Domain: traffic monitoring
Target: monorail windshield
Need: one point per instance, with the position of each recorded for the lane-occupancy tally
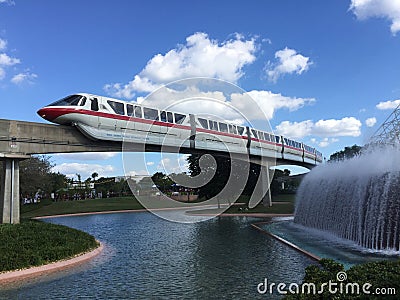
(68, 101)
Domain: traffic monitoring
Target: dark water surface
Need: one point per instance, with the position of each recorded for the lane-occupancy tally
(146, 257)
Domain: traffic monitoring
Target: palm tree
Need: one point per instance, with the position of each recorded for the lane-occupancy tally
(94, 175)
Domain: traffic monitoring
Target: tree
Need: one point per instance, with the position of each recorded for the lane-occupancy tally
(347, 153)
(222, 170)
(162, 181)
(94, 176)
(36, 173)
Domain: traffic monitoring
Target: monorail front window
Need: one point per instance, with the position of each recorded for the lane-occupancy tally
(68, 101)
(117, 107)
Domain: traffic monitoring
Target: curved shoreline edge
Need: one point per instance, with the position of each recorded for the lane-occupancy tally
(291, 245)
(51, 267)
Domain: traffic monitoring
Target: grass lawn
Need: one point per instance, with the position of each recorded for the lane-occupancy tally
(283, 204)
(35, 243)
(47, 207)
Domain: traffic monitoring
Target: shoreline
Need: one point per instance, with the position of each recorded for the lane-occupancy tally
(286, 242)
(159, 209)
(16, 275)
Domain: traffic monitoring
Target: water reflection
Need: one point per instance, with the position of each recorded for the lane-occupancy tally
(147, 257)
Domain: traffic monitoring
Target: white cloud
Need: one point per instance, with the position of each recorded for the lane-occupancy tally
(199, 57)
(325, 142)
(289, 61)
(295, 129)
(87, 155)
(267, 103)
(150, 163)
(370, 122)
(9, 2)
(6, 60)
(173, 164)
(348, 126)
(22, 78)
(253, 105)
(85, 170)
(388, 104)
(3, 44)
(388, 9)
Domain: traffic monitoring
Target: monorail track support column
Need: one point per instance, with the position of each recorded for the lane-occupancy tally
(9, 190)
(262, 189)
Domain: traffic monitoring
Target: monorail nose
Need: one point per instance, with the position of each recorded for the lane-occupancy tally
(46, 114)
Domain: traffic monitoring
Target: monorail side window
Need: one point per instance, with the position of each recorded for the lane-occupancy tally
(223, 127)
(277, 139)
(179, 118)
(117, 107)
(94, 105)
(129, 110)
(170, 117)
(163, 116)
(83, 101)
(267, 136)
(261, 135)
(150, 113)
(254, 133)
(213, 125)
(232, 129)
(240, 130)
(203, 123)
(138, 112)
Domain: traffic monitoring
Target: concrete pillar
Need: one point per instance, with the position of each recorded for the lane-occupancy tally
(9, 194)
(262, 191)
(9, 188)
(266, 179)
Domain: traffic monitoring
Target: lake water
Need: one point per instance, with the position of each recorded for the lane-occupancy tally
(146, 257)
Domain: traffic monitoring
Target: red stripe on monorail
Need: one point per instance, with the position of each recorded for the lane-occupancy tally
(53, 113)
(221, 133)
(266, 142)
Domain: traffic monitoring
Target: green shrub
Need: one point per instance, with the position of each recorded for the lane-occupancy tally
(34, 243)
(384, 274)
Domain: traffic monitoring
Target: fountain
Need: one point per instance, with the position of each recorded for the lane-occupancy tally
(356, 199)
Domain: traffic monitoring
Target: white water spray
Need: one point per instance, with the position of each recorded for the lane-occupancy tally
(357, 199)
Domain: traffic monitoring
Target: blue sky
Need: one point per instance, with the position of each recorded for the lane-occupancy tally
(326, 72)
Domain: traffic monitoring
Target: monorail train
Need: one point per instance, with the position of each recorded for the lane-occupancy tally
(104, 118)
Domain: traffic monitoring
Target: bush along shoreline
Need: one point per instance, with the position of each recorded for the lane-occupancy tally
(34, 243)
(371, 280)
